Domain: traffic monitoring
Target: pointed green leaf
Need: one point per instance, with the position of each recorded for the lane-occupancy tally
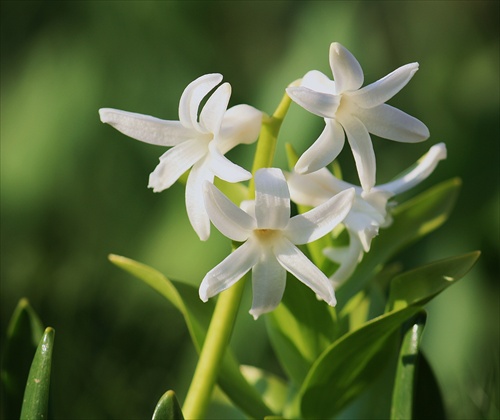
(418, 286)
(344, 369)
(300, 328)
(168, 408)
(403, 395)
(197, 316)
(36, 394)
(24, 332)
(413, 219)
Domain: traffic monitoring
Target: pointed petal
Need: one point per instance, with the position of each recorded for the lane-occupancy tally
(192, 96)
(348, 258)
(272, 199)
(229, 219)
(393, 124)
(195, 205)
(146, 128)
(424, 168)
(362, 150)
(229, 271)
(223, 168)
(174, 163)
(384, 89)
(241, 125)
(307, 227)
(323, 104)
(324, 150)
(347, 72)
(268, 284)
(294, 261)
(319, 82)
(214, 109)
(365, 226)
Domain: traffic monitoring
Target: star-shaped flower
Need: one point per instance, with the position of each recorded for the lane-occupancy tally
(270, 236)
(369, 211)
(346, 107)
(199, 142)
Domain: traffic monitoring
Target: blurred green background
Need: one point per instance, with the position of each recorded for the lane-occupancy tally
(74, 190)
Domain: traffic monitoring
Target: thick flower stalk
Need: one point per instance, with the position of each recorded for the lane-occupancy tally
(369, 211)
(351, 110)
(198, 141)
(270, 236)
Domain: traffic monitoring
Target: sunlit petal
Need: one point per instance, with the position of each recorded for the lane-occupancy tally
(212, 113)
(307, 227)
(324, 150)
(146, 128)
(229, 271)
(315, 80)
(192, 96)
(347, 72)
(323, 104)
(272, 199)
(393, 124)
(228, 218)
(174, 163)
(241, 125)
(294, 261)
(223, 168)
(384, 89)
(424, 168)
(268, 284)
(362, 150)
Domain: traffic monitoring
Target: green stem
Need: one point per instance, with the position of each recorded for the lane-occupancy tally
(226, 309)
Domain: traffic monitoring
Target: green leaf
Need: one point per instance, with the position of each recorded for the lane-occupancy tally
(168, 408)
(36, 394)
(345, 369)
(418, 286)
(428, 397)
(300, 329)
(24, 332)
(273, 389)
(197, 316)
(405, 381)
(412, 220)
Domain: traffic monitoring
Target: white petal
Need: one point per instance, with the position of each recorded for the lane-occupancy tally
(195, 205)
(323, 104)
(316, 188)
(347, 72)
(348, 258)
(317, 81)
(384, 89)
(294, 261)
(364, 226)
(223, 168)
(268, 284)
(307, 227)
(393, 124)
(213, 111)
(229, 271)
(362, 150)
(193, 95)
(272, 199)
(241, 125)
(424, 168)
(145, 128)
(226, 216)
(324, 150)
(175, 162)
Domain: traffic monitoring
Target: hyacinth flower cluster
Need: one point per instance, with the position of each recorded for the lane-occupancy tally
(200, 139)
(288, 223)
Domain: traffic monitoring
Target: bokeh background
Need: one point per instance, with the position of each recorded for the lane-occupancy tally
(74, 190)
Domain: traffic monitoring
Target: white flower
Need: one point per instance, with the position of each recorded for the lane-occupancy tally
(346, 107)
(198, 143)
(369, 210)
(270, 237)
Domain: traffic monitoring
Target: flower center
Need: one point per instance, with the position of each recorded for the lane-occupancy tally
(267, 236)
